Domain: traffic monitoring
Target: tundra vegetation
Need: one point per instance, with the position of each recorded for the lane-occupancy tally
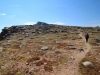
(46, 49)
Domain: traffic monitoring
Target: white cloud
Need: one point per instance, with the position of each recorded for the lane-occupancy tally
(29, 23)
(3, 14)
(59, 23)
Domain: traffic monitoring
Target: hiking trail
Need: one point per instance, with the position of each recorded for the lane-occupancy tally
(73, 65)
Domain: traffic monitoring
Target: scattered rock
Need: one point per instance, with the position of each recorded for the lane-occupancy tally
(81, 49)
(87, 63)
(44, 48)
(1, 49)
(70, 45)
(20, 38)
(31, 72)
(27, 63)
(73, 48)
(72, 57)
(73, 39)
(43, 41)
(97, 40)
(54, 48)
(57, 41)
(21, 45)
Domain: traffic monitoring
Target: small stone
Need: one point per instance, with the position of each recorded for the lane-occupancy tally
(72, 57)
(31, 72)
(54, 48)
(65, 63)
(1, 49)
(44, 48)
(27, 63)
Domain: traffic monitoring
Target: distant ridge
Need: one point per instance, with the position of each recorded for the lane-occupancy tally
(38, 28)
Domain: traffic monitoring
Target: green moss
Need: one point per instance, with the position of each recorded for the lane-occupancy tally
(18, 73)
(5, 71)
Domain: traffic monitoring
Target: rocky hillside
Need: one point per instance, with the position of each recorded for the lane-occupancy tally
(39, 28)
(47, 49)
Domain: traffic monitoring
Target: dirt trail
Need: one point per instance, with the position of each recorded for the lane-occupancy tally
(72, 66)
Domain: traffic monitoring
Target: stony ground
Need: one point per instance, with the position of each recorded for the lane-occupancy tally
(54, 60)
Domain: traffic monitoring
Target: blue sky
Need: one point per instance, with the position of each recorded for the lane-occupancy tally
(67, 12)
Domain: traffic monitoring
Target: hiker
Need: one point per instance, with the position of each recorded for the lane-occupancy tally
(87, 37)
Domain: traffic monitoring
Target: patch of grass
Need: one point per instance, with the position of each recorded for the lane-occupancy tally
(48, 68)
(62, 60)
(18, 73)
(8, 72)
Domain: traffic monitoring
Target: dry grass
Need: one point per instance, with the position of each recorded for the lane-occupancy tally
(61, 45)
(48, 68)
(39, 63)
(33, 59)
(33, 47)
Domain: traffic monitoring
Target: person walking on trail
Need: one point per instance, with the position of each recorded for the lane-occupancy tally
(87, 37)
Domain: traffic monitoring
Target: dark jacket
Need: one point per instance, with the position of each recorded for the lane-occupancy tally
(87, 36)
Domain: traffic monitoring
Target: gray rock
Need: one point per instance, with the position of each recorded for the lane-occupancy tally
(54, 48)
(1, 49)
(8, 38)
(44, 48)
(87, 63)
(70, 45)
(81, 49)
(21, 45)
(31, 72)
(26, 35)
(72, 57)
(43, 41)
(57, 42)
(20, 38)
(97, 40)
